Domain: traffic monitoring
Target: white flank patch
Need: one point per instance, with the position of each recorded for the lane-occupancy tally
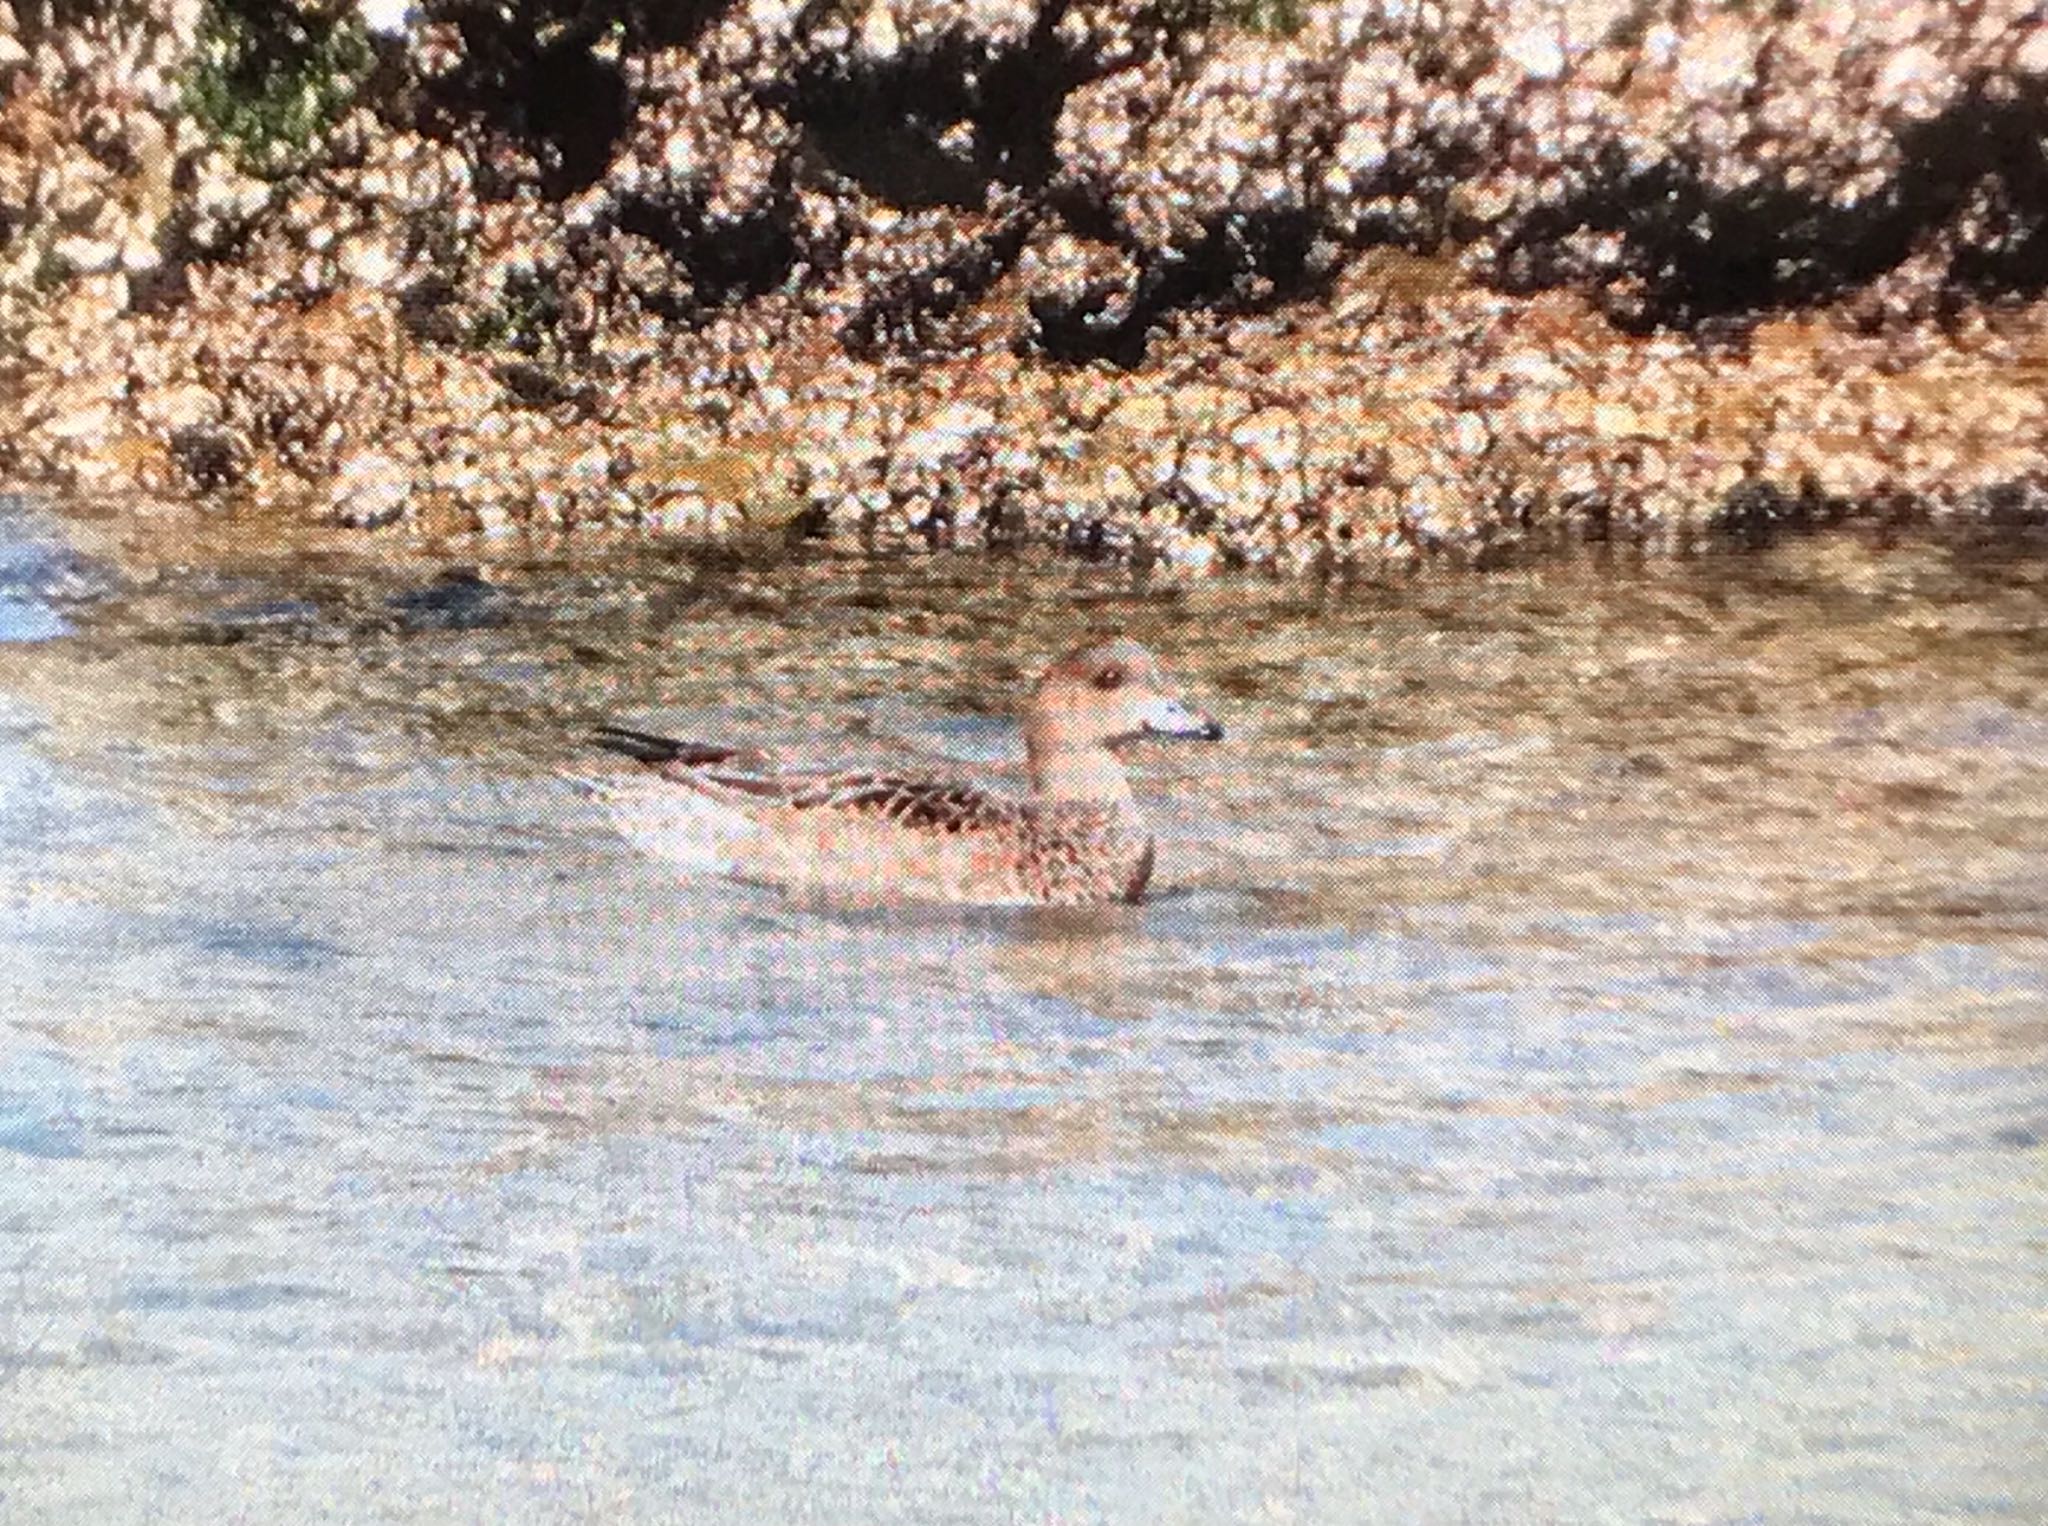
(674, 823)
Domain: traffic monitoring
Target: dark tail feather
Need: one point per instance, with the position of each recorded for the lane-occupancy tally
(646, 747)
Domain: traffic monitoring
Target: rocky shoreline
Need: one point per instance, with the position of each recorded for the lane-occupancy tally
(1195, 284)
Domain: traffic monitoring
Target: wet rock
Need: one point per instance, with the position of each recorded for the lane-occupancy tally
(221, 205)
(210, 457)
(371, 489)
(459, 598)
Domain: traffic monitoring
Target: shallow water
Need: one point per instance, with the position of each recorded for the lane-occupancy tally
(1587, 1062)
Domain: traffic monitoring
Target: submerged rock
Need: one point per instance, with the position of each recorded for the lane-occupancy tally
(459, 599)
(39, 574)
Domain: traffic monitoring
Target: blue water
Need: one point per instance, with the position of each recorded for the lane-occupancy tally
(381, 1139)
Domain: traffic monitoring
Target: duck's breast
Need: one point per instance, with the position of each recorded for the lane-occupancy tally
(1085, 854)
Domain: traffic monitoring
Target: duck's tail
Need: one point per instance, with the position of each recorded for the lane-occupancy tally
(646, 747)
(672, 820)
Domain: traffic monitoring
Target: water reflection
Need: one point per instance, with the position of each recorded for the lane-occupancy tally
(1587, 1061)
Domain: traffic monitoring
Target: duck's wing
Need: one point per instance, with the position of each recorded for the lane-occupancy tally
(895, 800)
(747, 779)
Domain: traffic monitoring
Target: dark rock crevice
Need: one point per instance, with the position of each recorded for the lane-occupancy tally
(944, 123)
(723, 260)
(906, 317)
(1244, 263)
(1690, 254)
(532, 72)
(1984, 164)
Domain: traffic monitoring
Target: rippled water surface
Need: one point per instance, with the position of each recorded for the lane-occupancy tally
(1587, 1062)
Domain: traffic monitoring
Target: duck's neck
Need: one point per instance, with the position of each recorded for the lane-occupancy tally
(1065, 773)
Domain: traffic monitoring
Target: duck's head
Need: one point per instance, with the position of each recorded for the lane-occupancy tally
(1104, 695)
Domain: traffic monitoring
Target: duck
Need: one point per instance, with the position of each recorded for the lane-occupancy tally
(1076, 837)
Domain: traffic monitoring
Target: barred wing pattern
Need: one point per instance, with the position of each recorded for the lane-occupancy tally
(928, 805)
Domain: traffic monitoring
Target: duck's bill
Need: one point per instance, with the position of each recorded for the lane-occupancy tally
(1170, 718)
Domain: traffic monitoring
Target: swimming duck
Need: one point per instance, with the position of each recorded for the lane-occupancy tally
(1076, 839)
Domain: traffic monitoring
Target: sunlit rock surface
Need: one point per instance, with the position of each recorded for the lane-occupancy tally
(1216, 283)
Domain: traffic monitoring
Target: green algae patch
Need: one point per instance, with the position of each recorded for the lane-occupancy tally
(269, 85)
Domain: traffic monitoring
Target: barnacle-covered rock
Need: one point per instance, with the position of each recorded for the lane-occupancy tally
(1195, 285)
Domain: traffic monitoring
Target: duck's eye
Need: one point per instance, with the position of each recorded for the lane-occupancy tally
(1109, 678)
